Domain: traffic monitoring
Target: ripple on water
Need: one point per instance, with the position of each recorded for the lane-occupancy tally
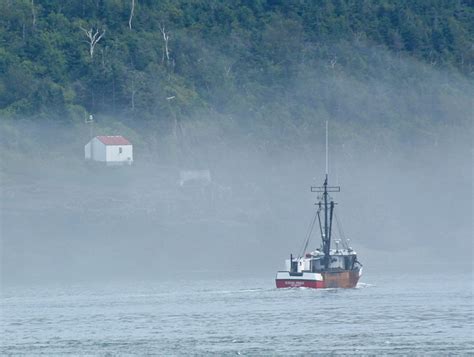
(231, 317)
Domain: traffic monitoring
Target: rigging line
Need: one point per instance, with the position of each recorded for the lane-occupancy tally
(341, 232)
(310, 230)
(320, 225)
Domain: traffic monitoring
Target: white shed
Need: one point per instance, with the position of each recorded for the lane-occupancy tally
(112, 150)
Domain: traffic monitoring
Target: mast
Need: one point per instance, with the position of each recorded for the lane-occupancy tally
(328, 208)
(327, 154)
(326, 228)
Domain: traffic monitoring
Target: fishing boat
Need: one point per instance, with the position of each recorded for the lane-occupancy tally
(326, 266)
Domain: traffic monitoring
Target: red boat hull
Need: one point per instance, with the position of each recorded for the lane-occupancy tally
(338, 279)
(293, 283)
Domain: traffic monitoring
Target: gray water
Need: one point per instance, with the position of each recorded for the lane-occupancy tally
(391, 314)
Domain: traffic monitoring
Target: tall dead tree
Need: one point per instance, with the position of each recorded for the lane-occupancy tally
(135, 84)
(93, 38)
(132, 10)
(33, 13)
(166, 51)
(178, 131)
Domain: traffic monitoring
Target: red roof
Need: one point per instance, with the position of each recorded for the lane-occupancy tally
(113, 140)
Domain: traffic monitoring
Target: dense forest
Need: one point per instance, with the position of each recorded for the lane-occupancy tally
(272, 67)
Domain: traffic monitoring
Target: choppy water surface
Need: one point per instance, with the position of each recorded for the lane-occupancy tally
(384, 315)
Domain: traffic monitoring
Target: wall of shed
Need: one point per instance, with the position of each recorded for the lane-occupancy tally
(95, 150)
(114, 156)
(87, 151)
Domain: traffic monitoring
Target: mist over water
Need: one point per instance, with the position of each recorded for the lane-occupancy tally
(69, 221)
(406, 199)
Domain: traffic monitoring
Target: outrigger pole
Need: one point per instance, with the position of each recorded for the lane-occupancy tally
(328, 209)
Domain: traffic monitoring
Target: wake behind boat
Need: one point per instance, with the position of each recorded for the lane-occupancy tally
(324, 267)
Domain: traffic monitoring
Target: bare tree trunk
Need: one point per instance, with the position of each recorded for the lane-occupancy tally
(175, 118)
(132, 10)
(135, 88)
(166, 38)
(94, 38)
(33, 13)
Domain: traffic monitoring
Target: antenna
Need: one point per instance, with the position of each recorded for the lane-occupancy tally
(89, 121)
(327, 149)
(328, 208)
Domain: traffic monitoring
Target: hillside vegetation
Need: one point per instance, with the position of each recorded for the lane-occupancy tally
(273, 69)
